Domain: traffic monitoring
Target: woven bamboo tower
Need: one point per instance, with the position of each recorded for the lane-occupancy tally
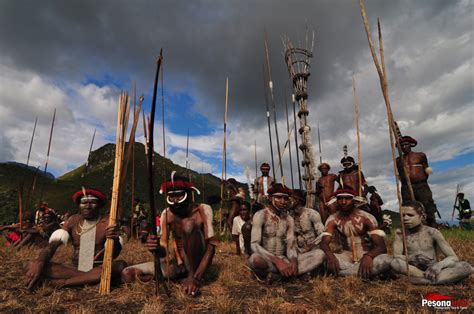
(298, 62)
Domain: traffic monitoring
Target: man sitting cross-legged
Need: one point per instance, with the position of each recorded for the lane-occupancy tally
(193, 236)
(88, 231)
(273, 239)
(423, 243)
(308, 233)
(362, 241)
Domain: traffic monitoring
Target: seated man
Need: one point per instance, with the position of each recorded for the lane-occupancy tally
(237, 224)
(88, 231)
(362, 242)
(13, 233)
(423, 243)
(39, 234)
(273, 239)
(193, 238)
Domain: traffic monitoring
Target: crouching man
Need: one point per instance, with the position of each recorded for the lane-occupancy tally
(273, 240)
(193, 239)
(363, 244)
(88, 232)
(423, 243)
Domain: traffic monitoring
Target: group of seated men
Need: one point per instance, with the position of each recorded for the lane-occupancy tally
(286, 240)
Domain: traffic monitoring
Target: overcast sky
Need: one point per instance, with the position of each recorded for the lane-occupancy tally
(76, 56)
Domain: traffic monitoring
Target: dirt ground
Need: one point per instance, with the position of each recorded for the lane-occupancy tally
(229, 287)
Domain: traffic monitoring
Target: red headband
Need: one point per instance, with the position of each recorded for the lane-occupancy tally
(344, 192)
(175, 186)
(96, 193)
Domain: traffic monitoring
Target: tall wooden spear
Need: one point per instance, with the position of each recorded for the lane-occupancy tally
(22, 186)
(289, 142)
(268, 121)
(133, 160)
(319, 142)
(47, 154)
(187, 156)
(359, 161)
(88, 156)
(296, 141)
(270, 86)
(151, 176)
(381, 70)
(224, 153)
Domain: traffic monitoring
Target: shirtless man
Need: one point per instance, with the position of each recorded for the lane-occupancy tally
(193, 234)
(418, 170)
(375, 204)
(88, 231)
(234, 195)
(325, 190)
(39, 234)
(363, 244)
(423, 243)
(349, 178)
(308, 226)
(263, 183)
(273, 240)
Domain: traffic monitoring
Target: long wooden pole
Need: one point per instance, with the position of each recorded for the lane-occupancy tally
(289, 142)
(105, 279)
(47, 154)
(133, 160)
(293, 101)
(22, 186)
(270, 86)
(151, 176)
(224, 149)
(268, 121)
(381, 70)
(359, 161)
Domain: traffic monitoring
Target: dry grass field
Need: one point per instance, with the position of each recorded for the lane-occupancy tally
(229, 287)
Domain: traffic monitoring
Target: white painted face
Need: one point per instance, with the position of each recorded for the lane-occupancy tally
(411, 218)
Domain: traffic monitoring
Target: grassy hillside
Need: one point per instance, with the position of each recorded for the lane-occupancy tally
(99, 175)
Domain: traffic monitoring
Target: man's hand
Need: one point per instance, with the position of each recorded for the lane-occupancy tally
(294, 267)
(191, 286)
(284, 268)
(34, 273)
(365, 266)
(112, 232)
(333, 264)
(432, 272)
(153, 245)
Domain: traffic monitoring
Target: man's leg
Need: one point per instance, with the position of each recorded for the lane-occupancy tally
(458, 272)
(246, 234)
(260, 265)
(310, 260)
(193, 245)
(398, 265)
(381, 264)
(92, 277)
(348, 268)
(424, 195)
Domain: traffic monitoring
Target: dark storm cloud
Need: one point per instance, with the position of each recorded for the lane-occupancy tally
(204, 42)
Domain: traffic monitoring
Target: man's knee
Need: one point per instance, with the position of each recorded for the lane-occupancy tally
(129, 274)
(257, 261)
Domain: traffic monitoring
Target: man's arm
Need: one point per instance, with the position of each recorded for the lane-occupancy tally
(317, 225)
(36, 267)
(332, 262)
(376, 235)
(291, 246)
(398, 243)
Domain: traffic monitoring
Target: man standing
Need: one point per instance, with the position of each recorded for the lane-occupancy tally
(193, 236)
(325, 190)
(349, 178)
(465, 213)
(418, 172)
(363, 244)
(88, 231)
(263, 183)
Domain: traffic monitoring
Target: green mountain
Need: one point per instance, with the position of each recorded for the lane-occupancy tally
(57, 192)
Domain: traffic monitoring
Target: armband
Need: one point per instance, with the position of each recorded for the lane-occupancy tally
(59, 235)
(428, 170)
(327, 234)
(378, 232)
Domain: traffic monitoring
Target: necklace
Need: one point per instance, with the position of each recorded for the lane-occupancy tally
(86, 226)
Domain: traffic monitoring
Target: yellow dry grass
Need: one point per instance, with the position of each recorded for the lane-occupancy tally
(229, 287)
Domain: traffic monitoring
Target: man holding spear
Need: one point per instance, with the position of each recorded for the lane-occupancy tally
(193, 238)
